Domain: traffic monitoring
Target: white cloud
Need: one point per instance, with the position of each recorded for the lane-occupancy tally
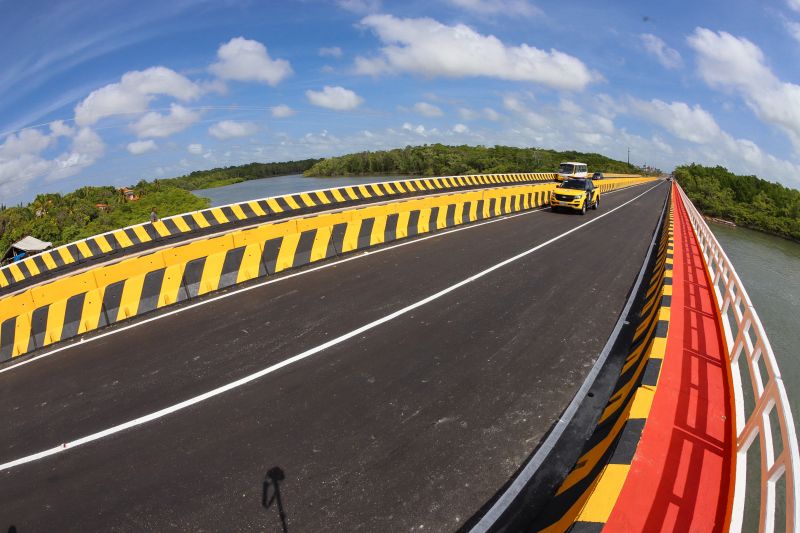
(330, 51)
(228, 129)
(735, 64)
(511, 8)
(468, 114)
(132, 94)
(425, 46)
(794, 4)
(87, 147)
(521, 111)
(491, 114)
(28, 141)
(195, 148)
(360, 6)
(157, 125)
(693, 124)
(427, 110)
(243, 59)
(655, 46)
(142, 147)
(59, 129)
(460, 128)
(793, 28)
(337, 98)
(282, 111)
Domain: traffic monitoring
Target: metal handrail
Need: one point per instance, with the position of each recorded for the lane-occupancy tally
(747, 343)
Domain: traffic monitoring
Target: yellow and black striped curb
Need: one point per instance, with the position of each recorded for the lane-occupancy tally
(275, 207)
(188, 223)
(108, 293)
(585, 499)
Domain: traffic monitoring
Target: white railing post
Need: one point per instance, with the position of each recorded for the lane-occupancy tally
(769, 392)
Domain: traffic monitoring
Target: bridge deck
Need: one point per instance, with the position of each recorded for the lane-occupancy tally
(414, 422)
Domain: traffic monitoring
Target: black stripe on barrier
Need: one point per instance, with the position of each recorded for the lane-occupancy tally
(265, 207)
(390, 231)
(151, 231)
(302, 254)
(625, 448)
(337, 236)
(298, 199)
(94, 247)
(40, 264)
(192, 275)
(433, 223)
(132, 236)
(229, 214)
(191, 222)
(7, 333)
(38, 327)
(231, 266)
(172, 228)
(269, 257)
(479, 210)
(247, 210)
(57, 259)
(151, 288)
(72, 316)
(210, 218)
(281, 201)
(24, 269)
(465, 209)
(413, 223)
(111, 300)
(450, 216)
(365, 232)
(587, 527)
(651, 372)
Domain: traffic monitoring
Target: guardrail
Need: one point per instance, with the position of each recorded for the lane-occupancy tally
(757, 414)
(124, 287)
(147, 233)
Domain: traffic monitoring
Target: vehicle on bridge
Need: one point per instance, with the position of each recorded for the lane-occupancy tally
(572, 169)
(576, 193)
(597, 176)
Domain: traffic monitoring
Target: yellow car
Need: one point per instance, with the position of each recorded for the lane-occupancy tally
(577, 194)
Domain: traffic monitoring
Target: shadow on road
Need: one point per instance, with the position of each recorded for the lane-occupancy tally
(272, 484)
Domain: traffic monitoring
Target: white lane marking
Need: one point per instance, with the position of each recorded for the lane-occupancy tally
(233, 292)
(308, 353)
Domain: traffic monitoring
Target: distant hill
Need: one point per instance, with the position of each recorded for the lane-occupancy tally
(746, 200)
(443, 160)
(217, 177)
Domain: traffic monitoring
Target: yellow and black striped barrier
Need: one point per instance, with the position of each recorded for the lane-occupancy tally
(182, 225)
(585, 499)
(105, 294)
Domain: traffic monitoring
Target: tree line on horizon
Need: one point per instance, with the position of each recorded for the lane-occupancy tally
(443, 160)
(748, 201)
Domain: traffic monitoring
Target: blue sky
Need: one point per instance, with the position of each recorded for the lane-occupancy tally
(112, 92)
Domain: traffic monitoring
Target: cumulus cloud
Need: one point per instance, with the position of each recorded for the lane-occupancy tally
(157, 125)
(427, 47)
(195, 148)
(133, 93)
(337, 98)
(229, 129)
(656, 47)
(142, 147)
(360, 6)
(427, 110)
(330, 51)
(243, 59)
(282, 111)
(793, 28)
(511, 8)
(794, 5)
(735, 64)
(691, 123)
(460, 128)
(22, 157)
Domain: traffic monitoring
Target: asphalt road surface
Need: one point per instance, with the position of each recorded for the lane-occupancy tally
(411, 424)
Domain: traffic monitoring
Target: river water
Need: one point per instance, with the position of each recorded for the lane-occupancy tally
(768, 266)
(254, 189)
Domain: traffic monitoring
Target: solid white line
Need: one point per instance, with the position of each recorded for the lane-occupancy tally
(308, 353)
(235, 291)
